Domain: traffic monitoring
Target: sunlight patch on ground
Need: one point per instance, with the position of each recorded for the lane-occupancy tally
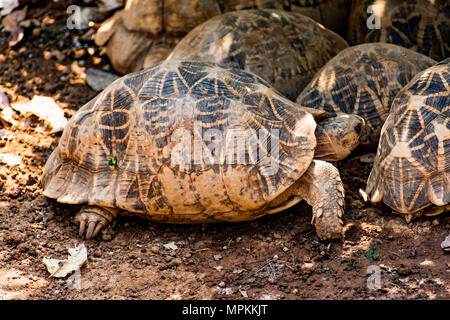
(14, 284)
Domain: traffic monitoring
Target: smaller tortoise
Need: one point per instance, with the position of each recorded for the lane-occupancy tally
(420, 25)
(144, 32)
(284, 48)
(364, 80)
(412, 165)
(333, 14)
(195, 142)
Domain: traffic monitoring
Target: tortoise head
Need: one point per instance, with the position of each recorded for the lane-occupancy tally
(338, 136)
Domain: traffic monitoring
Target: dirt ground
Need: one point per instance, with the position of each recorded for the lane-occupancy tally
(274, 257)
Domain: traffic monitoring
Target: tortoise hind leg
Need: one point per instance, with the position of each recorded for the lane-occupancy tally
(95, 218)
(322, 188)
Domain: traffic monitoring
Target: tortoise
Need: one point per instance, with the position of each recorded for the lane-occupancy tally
(411, 170)
(364, 80)
(195, 142)
(420, 25)
(333, 14)
(284, 48)
(144, 32)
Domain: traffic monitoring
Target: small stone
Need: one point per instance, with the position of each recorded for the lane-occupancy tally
(36, 32)
(97, 253)
(285, 249)
(155, 250)
(275, 257)
(174, 263)
(445, 245)
(217, 257)
(222, 284)
(238, 239)
(277, 236)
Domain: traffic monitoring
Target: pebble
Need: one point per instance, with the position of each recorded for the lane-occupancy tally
(285, 249)
(222, 284)
(97, 253)
(155, 249)
(174, 263)
(217, 257)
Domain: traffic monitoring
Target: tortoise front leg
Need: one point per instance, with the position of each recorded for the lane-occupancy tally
(322, 188)
(95, 218)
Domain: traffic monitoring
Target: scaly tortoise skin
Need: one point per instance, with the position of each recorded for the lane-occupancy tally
(120, 153)
(364, 80)
(412, 165)
(284, 48)
(420, 25)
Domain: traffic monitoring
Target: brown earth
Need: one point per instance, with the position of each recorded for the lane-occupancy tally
(274, 257)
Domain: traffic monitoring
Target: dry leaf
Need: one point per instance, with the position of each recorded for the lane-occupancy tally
(11, 24)
(61, 268)
(8, 6)
(10, 160)
(45, 108)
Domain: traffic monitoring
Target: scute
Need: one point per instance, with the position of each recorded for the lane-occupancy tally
(364, 80)
(284, 48)
(412, 166)
(159, 173)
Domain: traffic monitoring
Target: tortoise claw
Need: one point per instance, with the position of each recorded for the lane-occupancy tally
(94, 222)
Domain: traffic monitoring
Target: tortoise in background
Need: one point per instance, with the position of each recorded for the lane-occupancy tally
(364, 80)
(150, 145)
(146, 31)
(333, 14)
(412, 165)
(420, 25)
(284, 48)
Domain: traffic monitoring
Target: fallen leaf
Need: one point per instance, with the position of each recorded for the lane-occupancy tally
(11, 24)
(99, 80)
(10, 160)
(171, 246)
(8, 6)
(6, 116)
(45, 108)
(110, 5)
(61, 268)
(367, 158)
(4, 101)
(446, 243)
